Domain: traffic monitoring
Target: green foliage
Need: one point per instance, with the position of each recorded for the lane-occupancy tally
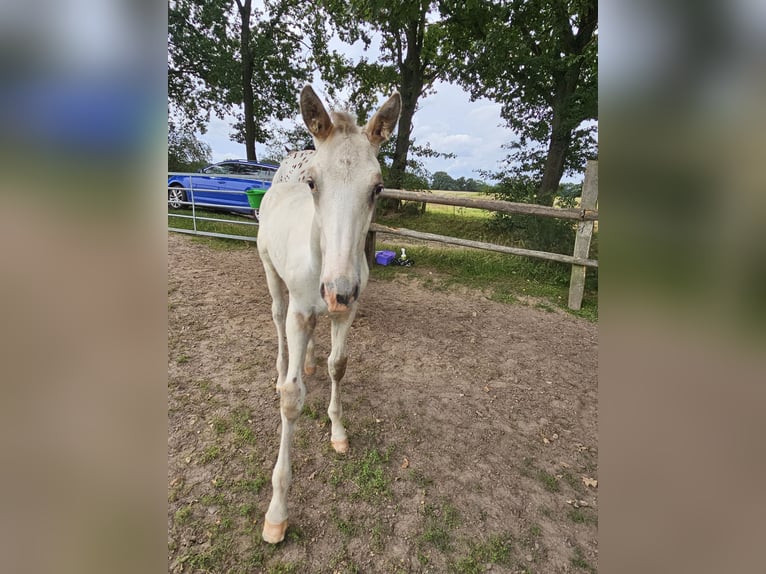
(221, 51)
(538, 58)
(185, 152)
(443, 180)
(410, 59)
(534, 232)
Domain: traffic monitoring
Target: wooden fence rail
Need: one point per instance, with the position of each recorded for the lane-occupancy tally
(579, 259)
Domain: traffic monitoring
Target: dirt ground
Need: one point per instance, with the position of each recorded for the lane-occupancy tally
(472, 425)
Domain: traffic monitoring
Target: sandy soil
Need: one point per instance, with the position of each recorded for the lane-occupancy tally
(485, 415)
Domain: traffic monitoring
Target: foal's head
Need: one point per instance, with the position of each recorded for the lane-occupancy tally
(344, 178)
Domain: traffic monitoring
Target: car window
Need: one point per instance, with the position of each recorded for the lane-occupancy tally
(257, 171)
(219, 169)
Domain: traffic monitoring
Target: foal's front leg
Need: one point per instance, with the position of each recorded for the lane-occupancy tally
(337, 366)
(292, 393)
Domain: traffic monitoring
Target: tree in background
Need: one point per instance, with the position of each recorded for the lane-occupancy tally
(410, 59)
(538, 58)
(223, 54)
(443, 180)
(285, 140)
(185, 152)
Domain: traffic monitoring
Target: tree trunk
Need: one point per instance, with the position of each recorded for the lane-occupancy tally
(411, 88)
(248, 97)
(553, 169)
(399, 162)
(561, 135)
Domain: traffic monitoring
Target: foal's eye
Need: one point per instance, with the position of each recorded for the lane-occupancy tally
(376, 190)
(311, 184)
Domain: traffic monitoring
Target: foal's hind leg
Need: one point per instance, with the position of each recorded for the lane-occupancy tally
(337, 366)
(292, 393)
(278, 292)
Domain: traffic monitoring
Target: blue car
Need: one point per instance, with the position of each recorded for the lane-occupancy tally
(221, 185)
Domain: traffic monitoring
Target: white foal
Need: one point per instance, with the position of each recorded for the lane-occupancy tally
(314, 220)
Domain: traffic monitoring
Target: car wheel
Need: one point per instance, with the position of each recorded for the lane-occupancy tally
(176, 197)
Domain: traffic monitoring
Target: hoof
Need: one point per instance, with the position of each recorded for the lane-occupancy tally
(309, 370)
(340, 445)
(274, 533)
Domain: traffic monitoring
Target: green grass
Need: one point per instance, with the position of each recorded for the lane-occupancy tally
(578, 561)
(582, 516)
(346, 526)
(549, 482)
(183, 515)
(233, 228)
(368, 473)
(438, 523)
(210, 454)
(497, 549)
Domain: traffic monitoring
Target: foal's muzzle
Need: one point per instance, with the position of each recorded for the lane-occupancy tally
(339, 294)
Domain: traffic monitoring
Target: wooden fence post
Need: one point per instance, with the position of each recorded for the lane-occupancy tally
(369, 243)
(584, 234)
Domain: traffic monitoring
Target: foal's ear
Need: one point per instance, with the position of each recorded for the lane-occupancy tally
(382, 124)
(314, 114)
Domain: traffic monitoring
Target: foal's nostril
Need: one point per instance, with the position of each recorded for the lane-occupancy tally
(342, 299)
(355, 294)
(321, 290)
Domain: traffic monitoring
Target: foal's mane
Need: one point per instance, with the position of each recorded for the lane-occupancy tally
(344, 122)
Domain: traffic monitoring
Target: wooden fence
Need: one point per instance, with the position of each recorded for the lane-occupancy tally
(579, 261)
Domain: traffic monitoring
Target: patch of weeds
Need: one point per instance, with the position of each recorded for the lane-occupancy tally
(182, 515)
(580, 516)
(341, 563)
(376, 537)
(252, 485)
(368, 473)
(286, 568)
(316, 412)
(346, 527)
(534, 532)
(295, 534)
(549, 482)
(496, 550)
(210, 454)
(420, 480)
(213, 558)
(217, 499)
(313, 410)
(439, 521)
(423, 559)
(579, 561)
(182, 359)
(220, 425)
(246, 509)
(176, 490)
(242, 429)
(573, 481)
(544, 307)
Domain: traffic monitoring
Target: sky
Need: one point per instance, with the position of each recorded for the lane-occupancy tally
(447, 120)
